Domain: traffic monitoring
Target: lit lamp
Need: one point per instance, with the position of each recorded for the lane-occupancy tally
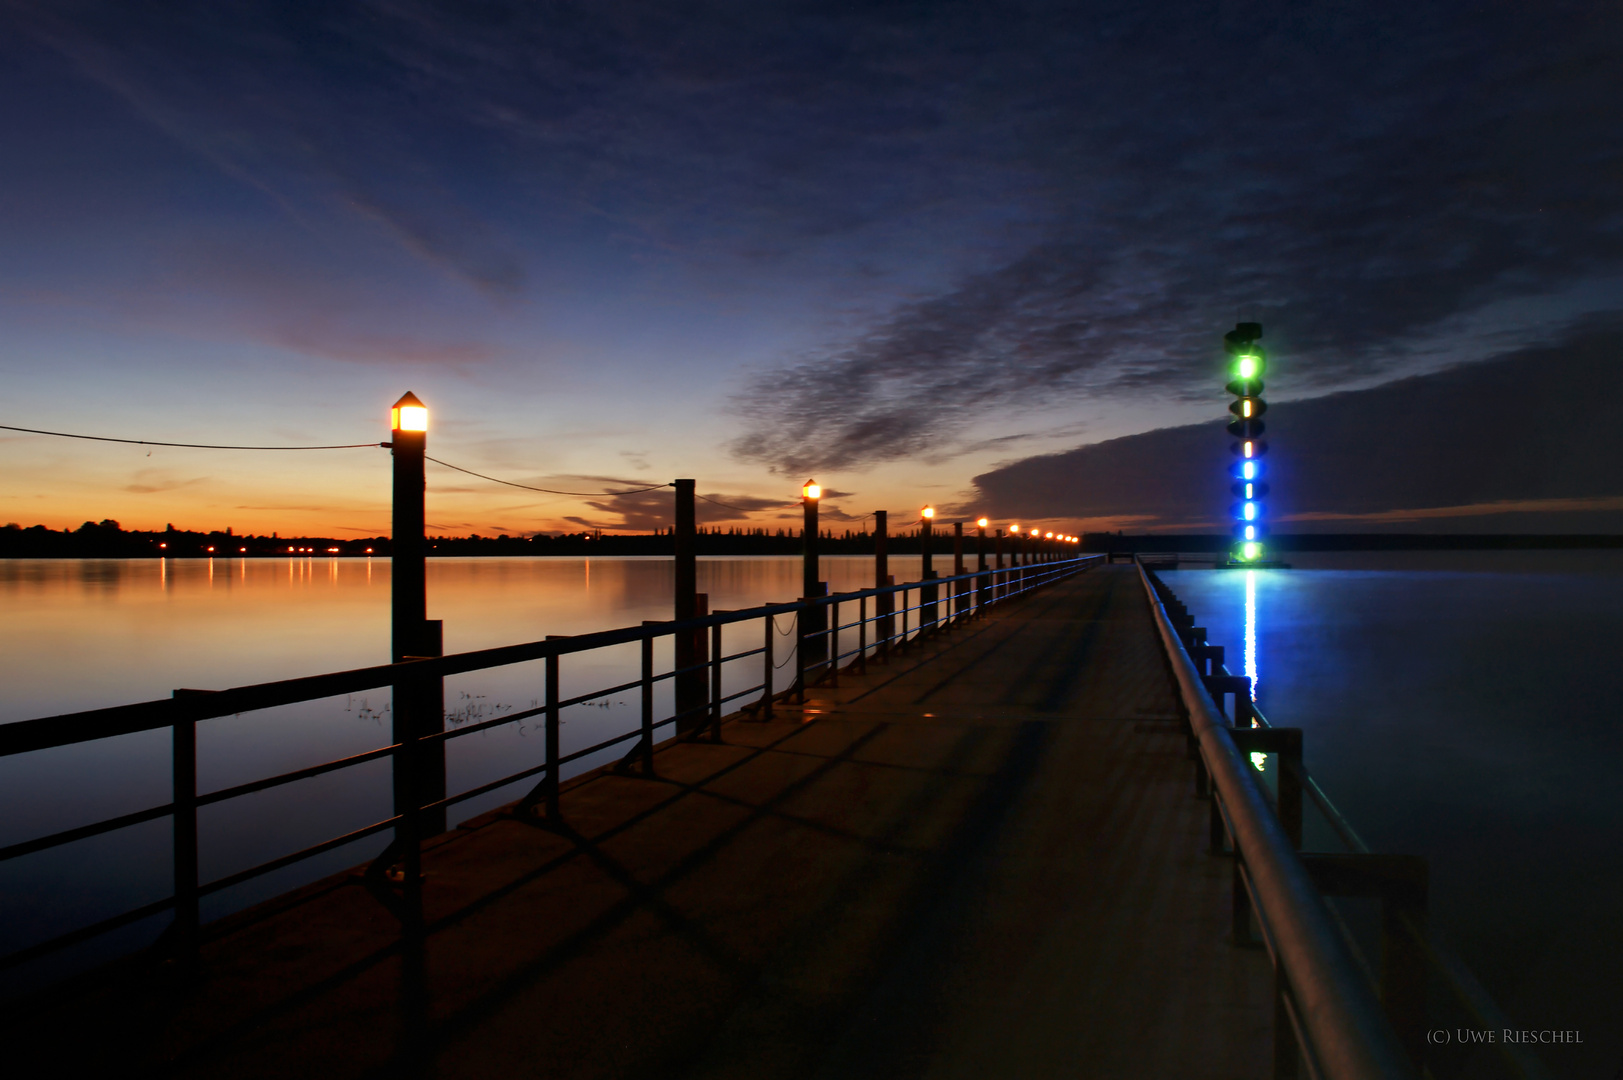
(810, 492)
(409, 414)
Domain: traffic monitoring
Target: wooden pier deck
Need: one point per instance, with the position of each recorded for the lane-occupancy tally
(983, 859)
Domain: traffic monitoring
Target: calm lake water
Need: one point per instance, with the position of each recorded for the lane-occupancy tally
(93, 633)
(1464, 707)
(1459, 706)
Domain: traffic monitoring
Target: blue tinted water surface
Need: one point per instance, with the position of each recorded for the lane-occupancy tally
(1465, 708)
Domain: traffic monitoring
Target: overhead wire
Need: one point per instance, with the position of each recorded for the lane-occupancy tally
(184, 445)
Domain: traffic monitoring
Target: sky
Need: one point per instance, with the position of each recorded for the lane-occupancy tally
(974, 255)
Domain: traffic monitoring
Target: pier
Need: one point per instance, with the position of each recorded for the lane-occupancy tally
(981, 857)
(998, 822)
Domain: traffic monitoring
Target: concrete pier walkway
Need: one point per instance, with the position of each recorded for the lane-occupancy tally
(982, 859)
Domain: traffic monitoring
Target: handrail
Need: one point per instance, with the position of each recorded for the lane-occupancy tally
(1456, 977)
(186, 709)
(64, 729)
(1346, 1032)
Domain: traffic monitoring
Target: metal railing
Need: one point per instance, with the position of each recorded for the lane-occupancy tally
(1327, 1008)
(898, 626)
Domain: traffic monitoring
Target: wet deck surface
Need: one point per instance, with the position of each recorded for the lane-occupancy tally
(982, 859)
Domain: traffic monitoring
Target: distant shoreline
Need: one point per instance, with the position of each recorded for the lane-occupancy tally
(108, 541)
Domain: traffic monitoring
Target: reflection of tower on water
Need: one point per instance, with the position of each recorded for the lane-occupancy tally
(1251, 630)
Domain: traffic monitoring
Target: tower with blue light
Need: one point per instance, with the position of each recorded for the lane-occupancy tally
(1246, 361)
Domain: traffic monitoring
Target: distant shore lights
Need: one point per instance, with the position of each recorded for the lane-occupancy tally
(1246, 366)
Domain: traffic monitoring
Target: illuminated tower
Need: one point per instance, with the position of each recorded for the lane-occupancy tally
(1249, 487)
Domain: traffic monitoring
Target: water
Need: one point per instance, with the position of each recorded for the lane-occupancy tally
(88, 634)
(1464, 707)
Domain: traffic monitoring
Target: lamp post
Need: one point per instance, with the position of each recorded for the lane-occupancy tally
(983, 583)
(813, 621)
(928, 594)
(418, 700)
(884, 604)
(689, 647)
(408, 589)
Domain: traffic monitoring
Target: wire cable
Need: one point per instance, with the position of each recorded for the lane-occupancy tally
(546, 491)
(185, 445)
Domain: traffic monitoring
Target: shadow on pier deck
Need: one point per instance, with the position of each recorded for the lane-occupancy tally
(981, 859)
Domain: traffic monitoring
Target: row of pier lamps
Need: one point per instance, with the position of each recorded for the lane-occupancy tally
(420, 706)
(414, 635)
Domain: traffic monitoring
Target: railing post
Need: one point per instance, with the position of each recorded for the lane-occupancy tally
(928, 593)
(983, 583)
(834, 644)
(553, 722)
(184, 782)
(688, 645)
(959, 587)
(884, 605)
(766, 675)
(862, 634)
(802, 632)
(648, 703)
(715, 682)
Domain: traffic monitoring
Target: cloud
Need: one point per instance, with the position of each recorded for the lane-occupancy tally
(1597, 504)
(153, 481)
(1532, 434)
(1371, 181)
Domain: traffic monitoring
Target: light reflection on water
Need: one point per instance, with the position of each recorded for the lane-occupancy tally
(80, 634)
(1251, 630)
(1466, 713)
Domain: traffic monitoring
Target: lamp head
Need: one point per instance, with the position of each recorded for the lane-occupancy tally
(929, 513)
(811, 490)
(409, 414)
(981, 522)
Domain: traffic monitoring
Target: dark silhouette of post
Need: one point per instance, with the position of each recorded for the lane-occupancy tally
(813, 621)
(997, 548)
(960, 588)
(419, 700)
(885, 604)
(928, 594)
(690, 647)
(984, 581)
